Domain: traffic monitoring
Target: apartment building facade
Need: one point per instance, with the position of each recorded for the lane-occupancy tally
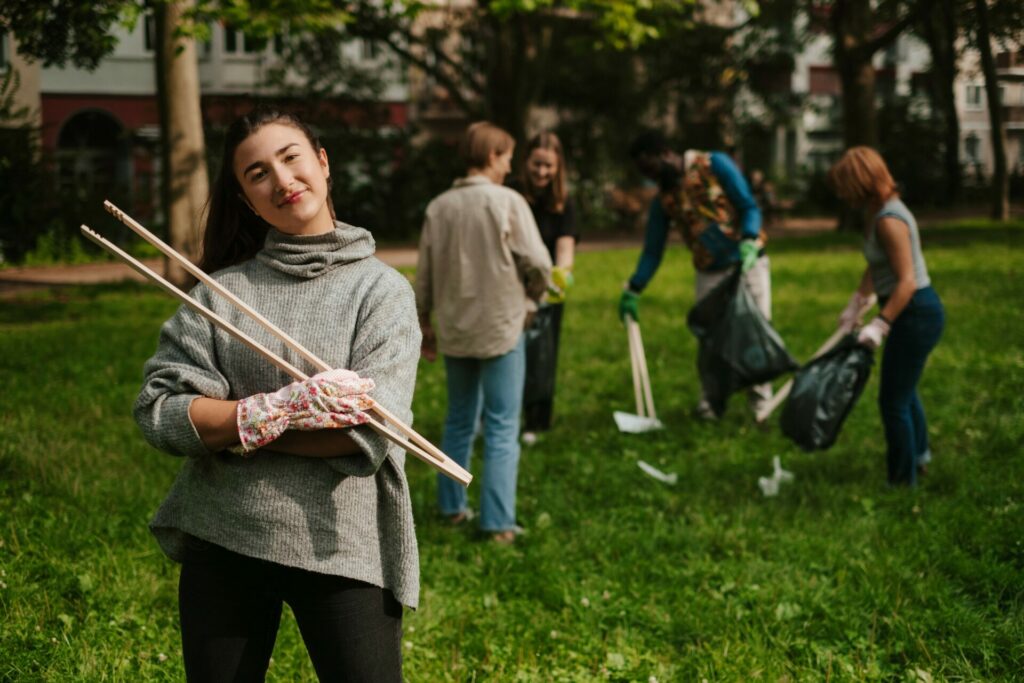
(102, 127)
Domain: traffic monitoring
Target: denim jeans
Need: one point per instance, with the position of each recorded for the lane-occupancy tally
(494, 385)
(915, 332)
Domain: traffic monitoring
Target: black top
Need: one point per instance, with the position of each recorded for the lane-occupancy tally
(553, 225)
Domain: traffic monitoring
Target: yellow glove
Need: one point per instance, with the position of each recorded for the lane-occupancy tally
(561, 281)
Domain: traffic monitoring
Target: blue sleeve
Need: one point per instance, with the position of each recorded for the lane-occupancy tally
(655, 237)
(738, 191)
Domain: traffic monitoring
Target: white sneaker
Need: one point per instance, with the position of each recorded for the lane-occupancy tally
(705, 412)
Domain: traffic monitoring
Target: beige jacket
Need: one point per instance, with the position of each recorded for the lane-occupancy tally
(482, 266)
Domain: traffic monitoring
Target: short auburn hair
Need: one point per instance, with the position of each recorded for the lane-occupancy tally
(481, 139)
(860, 176)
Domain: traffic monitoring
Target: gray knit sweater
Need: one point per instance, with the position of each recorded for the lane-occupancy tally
(349, 516)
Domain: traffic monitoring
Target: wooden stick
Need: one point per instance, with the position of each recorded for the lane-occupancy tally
(644, 374)
(783, 393)
(295, 346)
(634, 362)
(449, 467)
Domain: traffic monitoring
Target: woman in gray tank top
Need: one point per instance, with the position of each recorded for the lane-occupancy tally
(910, 312)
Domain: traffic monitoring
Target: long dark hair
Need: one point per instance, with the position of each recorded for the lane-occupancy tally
(554, 195)
(233, 233)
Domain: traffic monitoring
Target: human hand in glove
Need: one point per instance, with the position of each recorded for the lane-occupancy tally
(329, 400)
(748, 254)
(851, 316)
(872, 334)
(561, 281)
(629, 303)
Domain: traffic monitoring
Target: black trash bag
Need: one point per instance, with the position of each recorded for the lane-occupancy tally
(738, 347)
(541, 357)
(824, 392)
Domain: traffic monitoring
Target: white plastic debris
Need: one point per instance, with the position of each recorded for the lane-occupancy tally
(770, 485)
(636, 424)
(669, 478)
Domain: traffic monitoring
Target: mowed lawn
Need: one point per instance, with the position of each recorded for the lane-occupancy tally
(619, 577)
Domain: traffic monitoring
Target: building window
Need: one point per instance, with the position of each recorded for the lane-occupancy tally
(1002, 96)
(5, 61)
(149, 36)
(230, 40)
(254, 44)
(974, 94)
(972, 149)
(370, 50)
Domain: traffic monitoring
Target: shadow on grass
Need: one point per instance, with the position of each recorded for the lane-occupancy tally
(942, 234)
(60, 303)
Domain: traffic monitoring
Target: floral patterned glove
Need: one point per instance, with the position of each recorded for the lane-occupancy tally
(329, 400)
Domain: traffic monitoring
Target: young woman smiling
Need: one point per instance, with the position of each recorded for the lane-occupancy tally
(543, 183)
(282, 497)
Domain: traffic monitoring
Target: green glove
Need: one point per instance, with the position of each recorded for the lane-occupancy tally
(748, 254)
(629, 303)
(561, 281)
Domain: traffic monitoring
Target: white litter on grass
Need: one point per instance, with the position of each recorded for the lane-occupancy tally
(770, 485)
(668, 478)
(636, 424)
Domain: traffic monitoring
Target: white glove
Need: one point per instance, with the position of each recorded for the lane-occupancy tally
(872, 334)
(329, 400)
(850, 318)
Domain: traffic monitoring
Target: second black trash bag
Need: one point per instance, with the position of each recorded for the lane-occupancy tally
(738, 347)
(541, 360)
(824, 392)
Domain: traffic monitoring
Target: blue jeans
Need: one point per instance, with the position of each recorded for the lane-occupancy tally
(494, 385)
(915, 332)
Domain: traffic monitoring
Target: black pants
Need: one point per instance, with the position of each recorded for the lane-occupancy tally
(231, 609)
(541, 368)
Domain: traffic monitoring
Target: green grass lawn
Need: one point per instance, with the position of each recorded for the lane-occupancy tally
(619, 577)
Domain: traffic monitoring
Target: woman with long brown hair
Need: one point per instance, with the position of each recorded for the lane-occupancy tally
(543, 183)
(910, 315)
(282, 497)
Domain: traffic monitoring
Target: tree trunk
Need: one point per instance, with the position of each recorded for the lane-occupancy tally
(852, 24)
(940, 32)
(1000, 177)
(516, 63)
(185, 185)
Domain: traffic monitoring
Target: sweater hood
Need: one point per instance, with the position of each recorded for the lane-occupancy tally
(309, 256)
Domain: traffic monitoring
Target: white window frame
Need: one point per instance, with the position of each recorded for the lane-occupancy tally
(978, 91)
(972, 140)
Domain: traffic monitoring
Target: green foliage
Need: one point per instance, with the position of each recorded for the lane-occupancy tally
(68, 31)
(619, 577)
(913, 146)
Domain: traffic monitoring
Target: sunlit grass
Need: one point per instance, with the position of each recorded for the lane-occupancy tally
(619, 577)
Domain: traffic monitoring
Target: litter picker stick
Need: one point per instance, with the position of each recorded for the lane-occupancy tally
(295, 346)
(776, 400)
(644, 374)
(443, 464)
(634, 361)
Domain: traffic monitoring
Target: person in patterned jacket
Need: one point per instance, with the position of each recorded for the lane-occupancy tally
(706, 197)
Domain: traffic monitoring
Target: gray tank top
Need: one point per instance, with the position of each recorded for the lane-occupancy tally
(882, 275)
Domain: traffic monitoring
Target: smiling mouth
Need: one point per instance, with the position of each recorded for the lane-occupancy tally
(292, 198)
